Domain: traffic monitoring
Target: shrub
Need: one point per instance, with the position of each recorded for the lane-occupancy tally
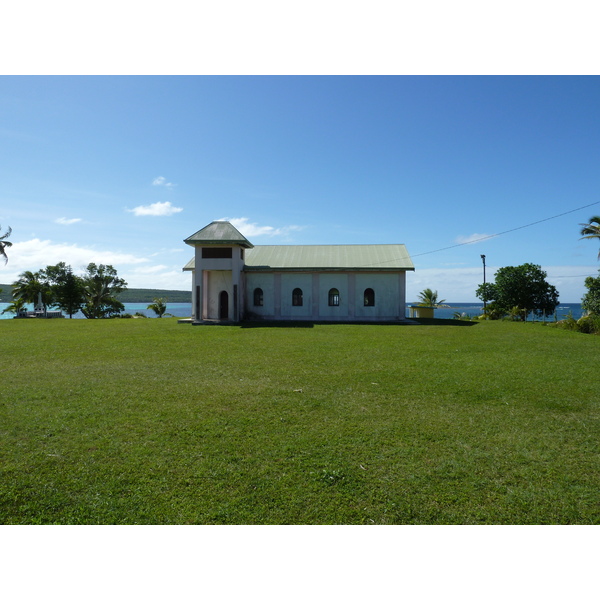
(586, 324)
(589, 324)
(569, 323)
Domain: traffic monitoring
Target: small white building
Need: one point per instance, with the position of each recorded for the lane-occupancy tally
(234, 280)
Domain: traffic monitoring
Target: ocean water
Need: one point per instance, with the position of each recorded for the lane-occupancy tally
(177, 309)
(473, 309)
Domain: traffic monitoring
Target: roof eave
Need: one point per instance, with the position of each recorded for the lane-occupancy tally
(194, 243)
(328, 269)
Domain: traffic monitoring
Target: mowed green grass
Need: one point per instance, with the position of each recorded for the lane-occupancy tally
(151, 422)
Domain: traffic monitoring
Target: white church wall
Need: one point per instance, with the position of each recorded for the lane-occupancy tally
(289, 282)
(218, 281)
(339, 281)
(387, 295)
(266, 282)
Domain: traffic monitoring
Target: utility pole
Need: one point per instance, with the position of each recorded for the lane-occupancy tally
(484, 292)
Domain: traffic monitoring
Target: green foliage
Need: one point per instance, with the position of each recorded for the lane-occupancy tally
(161, 423)
(518, 291)
(516, 313)
(430, 298)
(487, 292)
(94, 293)
(137, 295)
(159, 306)
(591, 230)
(67, 288)
(587, 324)
(15, 307)
(147, 295)
(458, 316)
(101, 285)
(591, 299)
(5, 244)
(494, 311)
(30, 285)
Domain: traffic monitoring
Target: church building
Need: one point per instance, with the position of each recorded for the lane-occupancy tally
(233, 280)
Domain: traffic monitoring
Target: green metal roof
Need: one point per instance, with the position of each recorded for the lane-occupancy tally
(374, 257)
(346, 257)
(218, 232)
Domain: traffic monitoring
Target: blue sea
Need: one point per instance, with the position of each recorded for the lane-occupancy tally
(472, 309)
(177, 309)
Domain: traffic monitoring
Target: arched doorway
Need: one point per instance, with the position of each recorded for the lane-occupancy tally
(223, 305)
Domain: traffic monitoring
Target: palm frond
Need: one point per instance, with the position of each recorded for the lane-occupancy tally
(4, 244)
(591, 230)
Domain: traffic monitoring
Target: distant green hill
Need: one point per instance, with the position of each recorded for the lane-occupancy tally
(144, 295)
(6, 294)
(129, 295)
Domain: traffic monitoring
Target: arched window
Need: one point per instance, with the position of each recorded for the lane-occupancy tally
(369, 297)
(258, 297)
(334, 297)
(297, 297)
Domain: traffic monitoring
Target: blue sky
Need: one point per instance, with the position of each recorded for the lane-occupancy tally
(119, 170)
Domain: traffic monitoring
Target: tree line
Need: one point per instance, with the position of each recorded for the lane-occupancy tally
(523, 290)
(516, 291)
(519, 291)
(94, 293)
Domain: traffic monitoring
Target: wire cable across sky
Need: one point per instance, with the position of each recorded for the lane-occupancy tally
(487, 237)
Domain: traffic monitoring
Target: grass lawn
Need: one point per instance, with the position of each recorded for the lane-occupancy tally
(151, 422)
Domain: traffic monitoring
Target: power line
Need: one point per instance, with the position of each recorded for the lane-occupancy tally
(487, 237)
(565, 276)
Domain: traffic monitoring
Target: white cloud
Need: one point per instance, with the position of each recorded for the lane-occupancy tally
(255, 230)
(158, 209)
(65, 221)
(161, 278)
(36, 254)
(151, 269)
(139, 271)
(474, 238)
(163, 182)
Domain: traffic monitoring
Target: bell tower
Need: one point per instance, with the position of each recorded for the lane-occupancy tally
(217, 286)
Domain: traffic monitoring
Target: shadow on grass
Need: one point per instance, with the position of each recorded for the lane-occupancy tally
(309, 324)
(445, 322)
(255, 324)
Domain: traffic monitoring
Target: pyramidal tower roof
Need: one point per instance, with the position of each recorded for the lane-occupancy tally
(221, 233)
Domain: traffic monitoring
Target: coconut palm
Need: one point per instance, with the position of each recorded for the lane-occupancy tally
(430, 298)
(591, 230)
(4, 244)
(16, 306)
(159, 306)
(30, 285)
(100, 299)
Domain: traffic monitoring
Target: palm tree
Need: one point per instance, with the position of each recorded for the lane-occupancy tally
(591, 230)
(159, 306)
(29, 285)
(430, 298)
(4, 244)
(98, 294)
(15, 306)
